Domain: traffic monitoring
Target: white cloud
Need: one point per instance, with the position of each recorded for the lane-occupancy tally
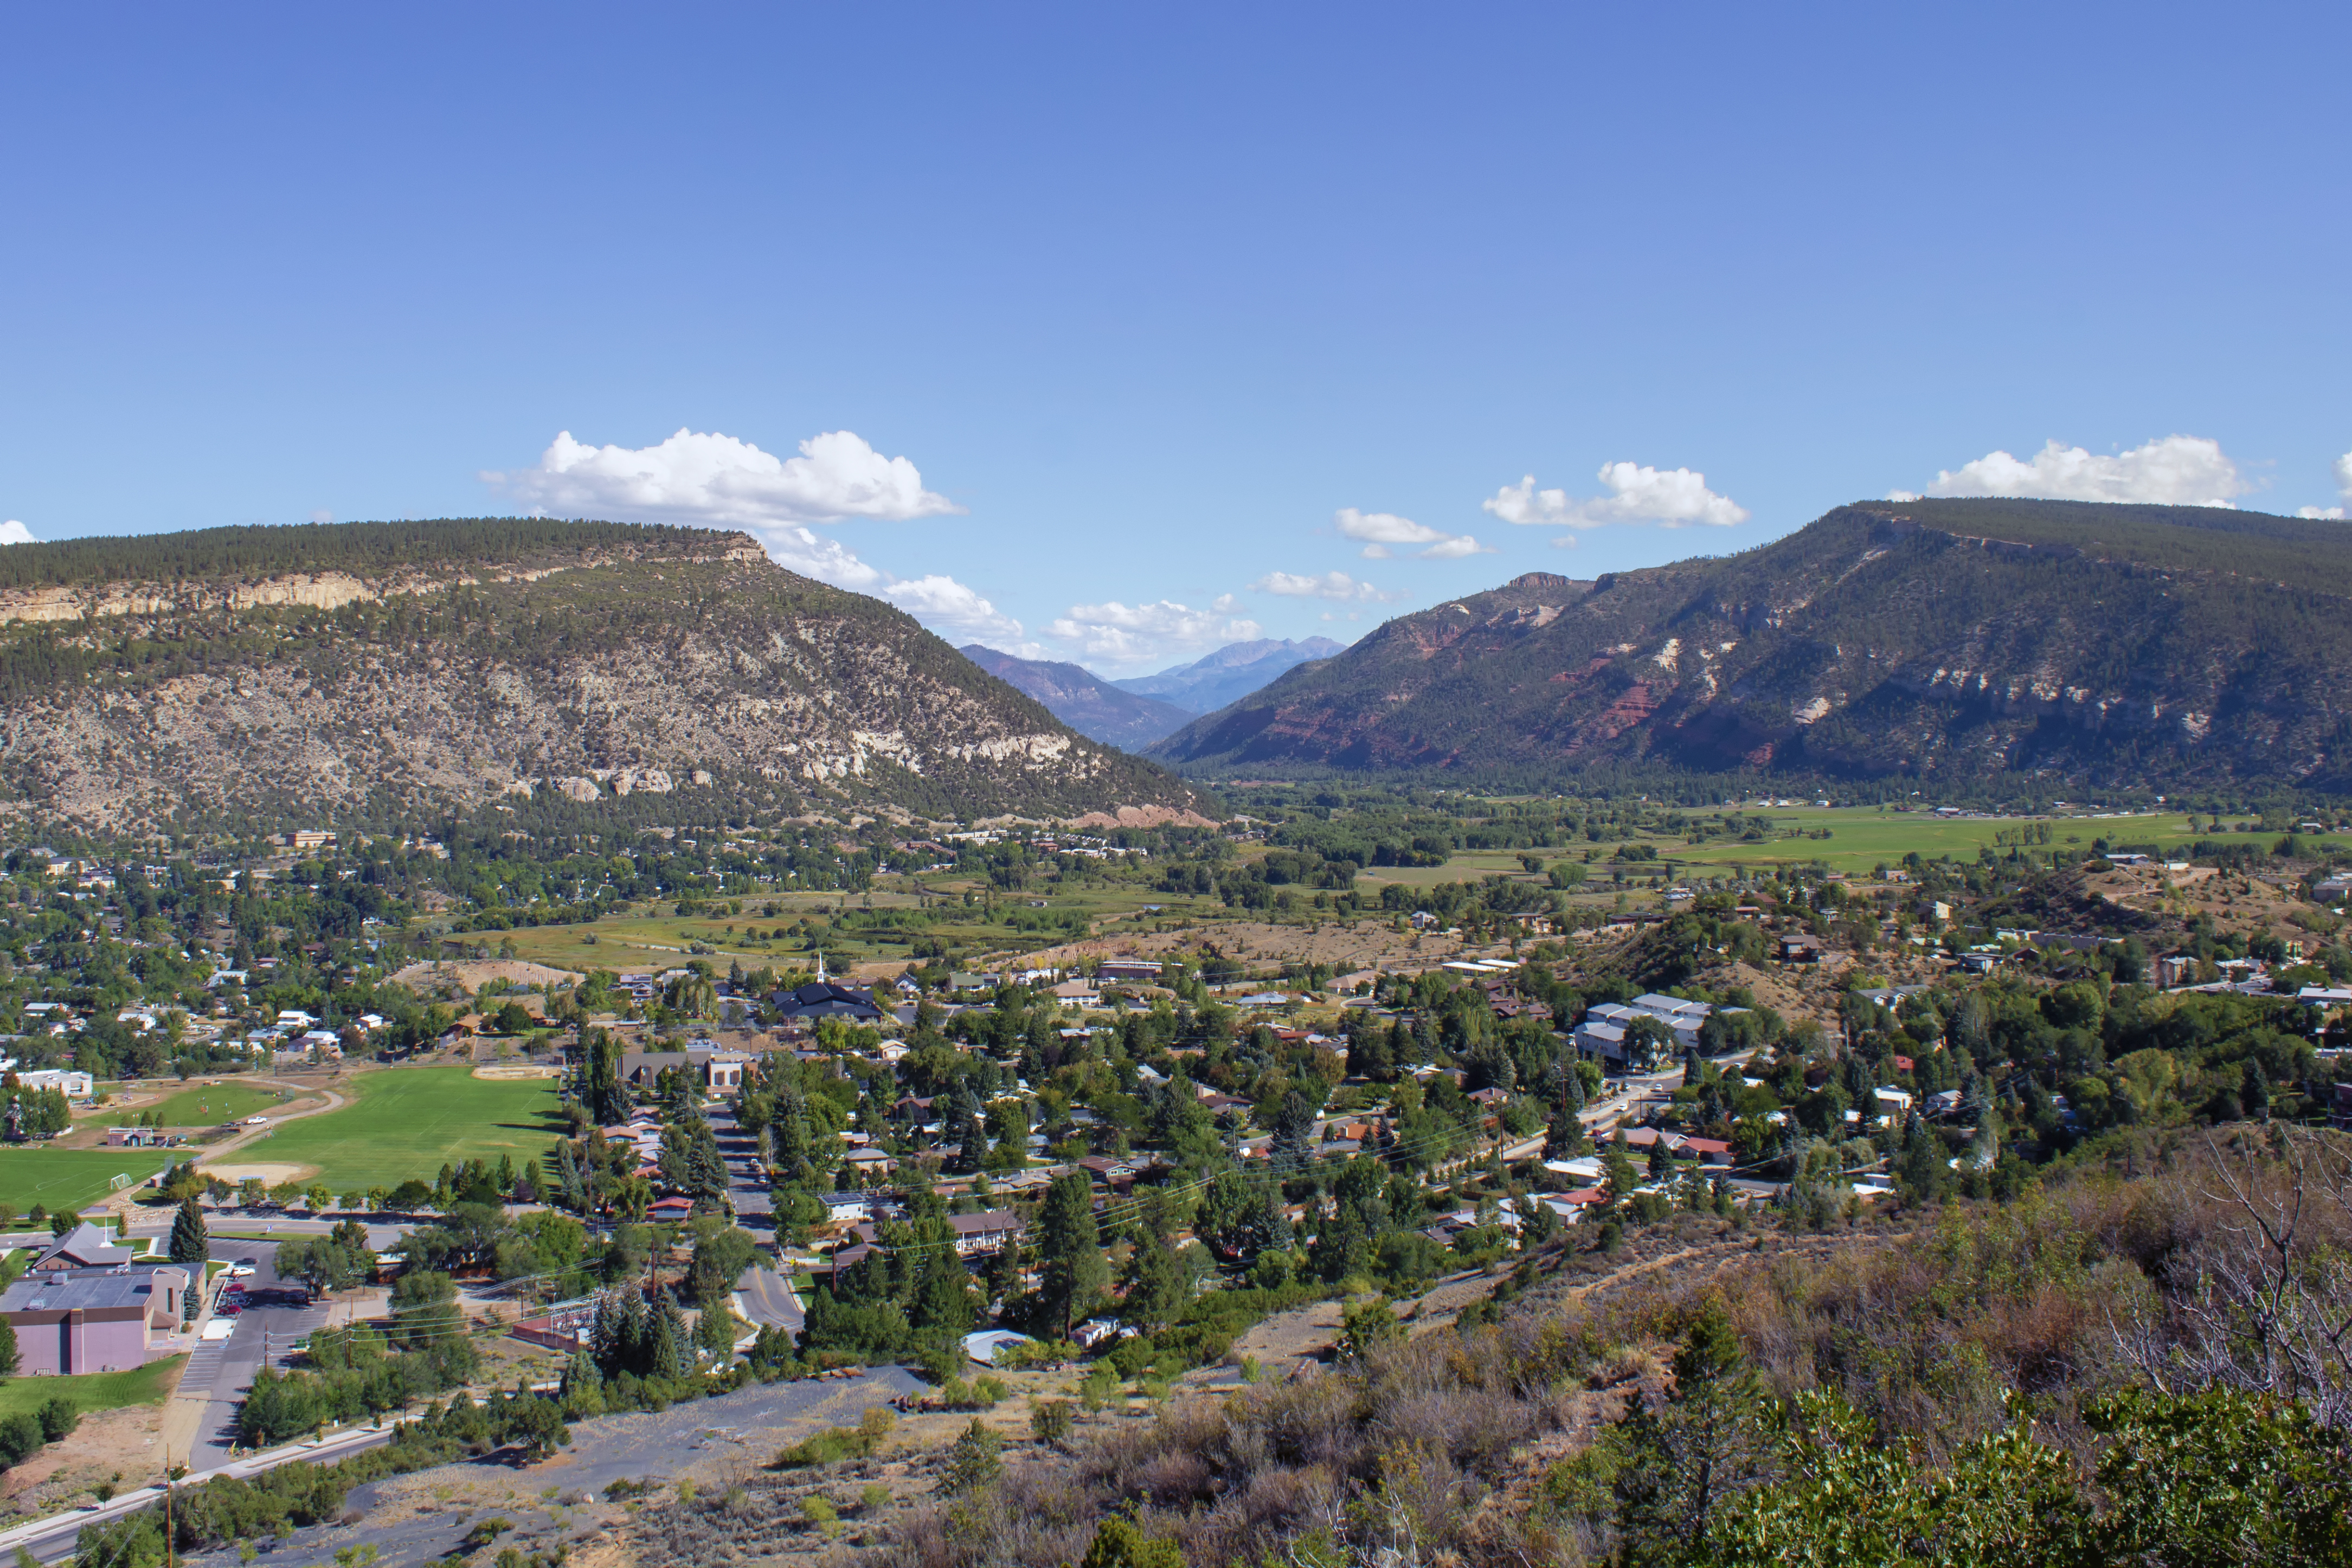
(15, 532)
(958, 612)
(1377, 530)
(323, 516)
(825, 559)
(2343, 488)
(1670, 498)
(716, 478)
(1125, 634)
(2178, 470)
(1330, 585)
(954, 610)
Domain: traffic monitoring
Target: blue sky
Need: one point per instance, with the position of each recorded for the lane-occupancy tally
(1126, 328)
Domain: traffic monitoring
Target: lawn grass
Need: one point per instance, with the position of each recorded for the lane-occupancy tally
(92, 1391)
(409, 1121)
(1860, 839)
(209, 1105)
(64, 1180)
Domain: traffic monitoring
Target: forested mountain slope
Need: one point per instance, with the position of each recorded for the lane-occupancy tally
(1951, 640)
(257, 676)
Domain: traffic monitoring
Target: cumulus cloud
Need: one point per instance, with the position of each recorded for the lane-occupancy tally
(1670, 497)
(1330, 585)
(2178, 470)
(15, 532)
(713, 479)
(1379, 532)
(1128, 634)
(2343, 488)
(955, 610)
(825, 559)
(959, 612)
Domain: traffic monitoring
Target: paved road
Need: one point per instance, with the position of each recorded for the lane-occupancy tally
(202, 1414)
(747, 1182)
(765, 1299)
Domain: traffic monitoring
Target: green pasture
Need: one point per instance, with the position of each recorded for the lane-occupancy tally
(93, 1392)
(1859, 838)
(209, 1105)
(1864, 836)
(655, 940)
(409, 1122)
(65, 1181)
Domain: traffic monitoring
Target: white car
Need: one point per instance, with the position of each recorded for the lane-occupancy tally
(257, 1121)
(237, 1271)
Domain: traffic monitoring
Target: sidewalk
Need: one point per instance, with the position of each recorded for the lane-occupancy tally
(52, 1536)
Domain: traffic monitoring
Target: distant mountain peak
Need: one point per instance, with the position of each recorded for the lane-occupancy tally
(1083, 700)
(1230, 673)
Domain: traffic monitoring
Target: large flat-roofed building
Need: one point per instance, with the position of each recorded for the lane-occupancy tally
(92, 1320)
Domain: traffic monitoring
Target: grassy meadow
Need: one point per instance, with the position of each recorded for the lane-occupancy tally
(1858, 838)
(65, 1181)
(209, 1105)
(409, 1121)
(93, 1392)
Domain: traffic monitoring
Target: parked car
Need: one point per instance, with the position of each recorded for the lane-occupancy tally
(241, 1270)
(257, 1121)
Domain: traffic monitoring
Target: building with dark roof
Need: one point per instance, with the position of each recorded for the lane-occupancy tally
(824, 999)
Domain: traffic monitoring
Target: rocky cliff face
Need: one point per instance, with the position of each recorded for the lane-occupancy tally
(1952, 640)
(676, 664)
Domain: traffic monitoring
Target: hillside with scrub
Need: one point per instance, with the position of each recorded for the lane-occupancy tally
(1963, 645)
(254, 679)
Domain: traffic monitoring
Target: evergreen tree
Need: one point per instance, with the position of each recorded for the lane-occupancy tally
(631, 1332)
(1294, 1124)
(669, 1351)
(2254, 1092)
(574, 1192)
(715, 1330)
(604, 1333)
(1680, 1461)
(1074, 1270)
(190, 1243)
(1920, 1171)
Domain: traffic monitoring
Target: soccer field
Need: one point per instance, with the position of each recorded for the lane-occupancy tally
(64, 1180)
(409, 1122)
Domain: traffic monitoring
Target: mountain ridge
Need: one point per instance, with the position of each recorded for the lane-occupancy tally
(223, 679)
(1083, 700)
(1228, 674)
(1921, 639)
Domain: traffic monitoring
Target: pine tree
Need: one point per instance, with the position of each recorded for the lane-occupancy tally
(633, 1331)
(190, 1243)
(669, 1350)
(1293, 1123)
(567, 1179)
(605, 1334)
(1074, 1270)
(716, 1331)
